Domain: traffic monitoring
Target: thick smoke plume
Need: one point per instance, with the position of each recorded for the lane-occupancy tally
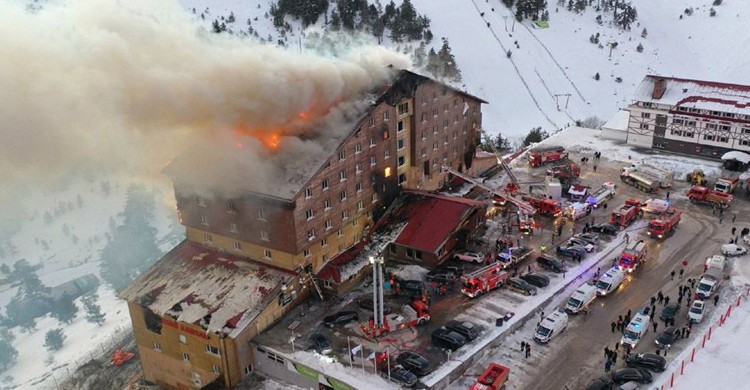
(105, 83)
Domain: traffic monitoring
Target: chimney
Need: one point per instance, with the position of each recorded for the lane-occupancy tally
(660, 85)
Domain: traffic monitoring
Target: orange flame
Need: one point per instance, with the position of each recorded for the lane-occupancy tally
(270, 138)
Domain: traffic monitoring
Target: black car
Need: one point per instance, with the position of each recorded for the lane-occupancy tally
(320, 344)
(536, 279)
(445, 338)
(670, 311)
(631, 375)
(441, 276)
(454, 267)
(650, 361)
(606, 228)
(414, 362)
(367, 304)
(520, 285)
(400, 375)
(413, 287)
(340, 318)
(550, 263)
(601, 383)
(668, 337)
(571, 251)
(465, 328)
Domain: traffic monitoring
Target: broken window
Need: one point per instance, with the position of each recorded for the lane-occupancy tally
(153, 321)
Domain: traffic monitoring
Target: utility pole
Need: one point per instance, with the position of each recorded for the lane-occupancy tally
(505, 21)
(557, 100)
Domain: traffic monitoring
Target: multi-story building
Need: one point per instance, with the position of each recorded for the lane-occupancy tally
(192, 322)
(694, 117)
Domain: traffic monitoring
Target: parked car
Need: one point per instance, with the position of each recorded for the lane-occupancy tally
(470, 256)
(591, 238)
(413, 287)
(367, 304)
(571, 251)
(341, 318)
(631, 375)
(455, 267)
(606, 228)
(668, 337)
(669, 311)
(697, 309)
(651, 361)
(574, 241)
(464, 328)
(441, 276)
(601, 383)
(445, 338)
(536, 279)
(551, 263)
(414, 362)
(320, 344)
(520, 285)
(400, 375)
(733, 250)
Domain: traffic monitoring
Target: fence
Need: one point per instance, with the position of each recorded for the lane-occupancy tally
(670, 382)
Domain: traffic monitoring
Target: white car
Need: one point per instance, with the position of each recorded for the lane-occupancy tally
(695, 314)
(470, 256)
(733, 250)
(746, 239)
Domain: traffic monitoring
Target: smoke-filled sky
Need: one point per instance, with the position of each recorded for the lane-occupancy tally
(105, 83)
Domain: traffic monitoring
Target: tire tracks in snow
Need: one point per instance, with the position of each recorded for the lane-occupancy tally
(518, 72)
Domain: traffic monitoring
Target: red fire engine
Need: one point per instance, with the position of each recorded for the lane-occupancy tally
(410, 315)
(546, 155)
(544, 206)
(483, 280)
(493, 378)
(633, 255)
(627, 213)
(665, 223)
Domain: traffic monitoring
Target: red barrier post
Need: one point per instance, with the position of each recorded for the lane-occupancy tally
(671, 381)
(739, 300)
(692, 355)
(721, 320)
(703, 345)
(682, 368)
(710, 330)
(729, 311)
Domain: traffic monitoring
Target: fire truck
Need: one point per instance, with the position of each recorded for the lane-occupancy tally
(707, 196)
(544, 206)
(627, 213)
(633, 255)
(640, 181)
(567, 167)
(513, 256)
(493, 378)
(484, 280)
(665, 223)
(410, 315)
(545, 155)
(726, 185)
(606, 192)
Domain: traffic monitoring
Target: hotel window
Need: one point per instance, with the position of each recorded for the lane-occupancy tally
(182, 338)
(386, 134)
(359, 187)
(387, 153)
(434, 129)
(215, 369)
(690, 123)
(711, 126)
(307, 253)
(371, 121)
(424, 134)
(374, 197)
(688, 134)
(342, 155)
(386, 116)
(264, 235)
(248, 370)
(238, 245)
(725, 128)
(208, 237)
(267, 254)
(708, 137)
(357, 148)
(360, 205)
(745, 142)
(434, 145)
(401, 179)
(372, 142)
(212, 350)
(355, 222)
(716, 113)
(324, 184)
(310, 234)
(723, 139)
(261, 215)
(327, 204)
(157, 346)
(400, 126)
(424, 117)
(445, 124)
(729, 115)
(373, 160)
(340, 233)
(401, 160)
(201, 201)
(424, 152)
(204, 220)
(324, 242)
(678, 121)
(434, 112)
(644, 126)
(342, 195)
(308, 193)
(358, 168)
(329, 224)
(233, 227)
(645, 115)
(342, 175)
(185, 357)
(309, 214)
(230, 207)
(401, 144)
(746, 130)
(344, 214)
(403, 108)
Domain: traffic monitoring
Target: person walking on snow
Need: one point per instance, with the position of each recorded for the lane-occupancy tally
(614, 325)
(716, 300)
(734, 230)
(627, 238)
(667, 195)
(734, 218)
(672, 274)
(607, 365)
(666, 300)
(523, 346)
(528, 349)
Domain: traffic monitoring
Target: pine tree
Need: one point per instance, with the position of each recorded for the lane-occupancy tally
(535, 135)
(712, 12)
(54, 339)
(596, 76)
(644, 33)
(450, 67)
(639, 48)
(65, 309)
(93, 310)
(8, 353)
(215, 26)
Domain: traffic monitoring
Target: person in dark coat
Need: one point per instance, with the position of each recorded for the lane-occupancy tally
(614, 325)
(716, 300)
(660, 297)
(528, 349)
(523, 346)
(656, 324)
(608, 365)
(666, 300)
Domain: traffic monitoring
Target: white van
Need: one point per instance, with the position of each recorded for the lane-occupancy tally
(551, 326)
(610, 281)
(579, 301)
(716, 262)
(635, 330)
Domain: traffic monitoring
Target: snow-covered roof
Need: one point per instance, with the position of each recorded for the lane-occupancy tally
(699, 94)
(191, 282)
(619, 121)
(735, 155)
